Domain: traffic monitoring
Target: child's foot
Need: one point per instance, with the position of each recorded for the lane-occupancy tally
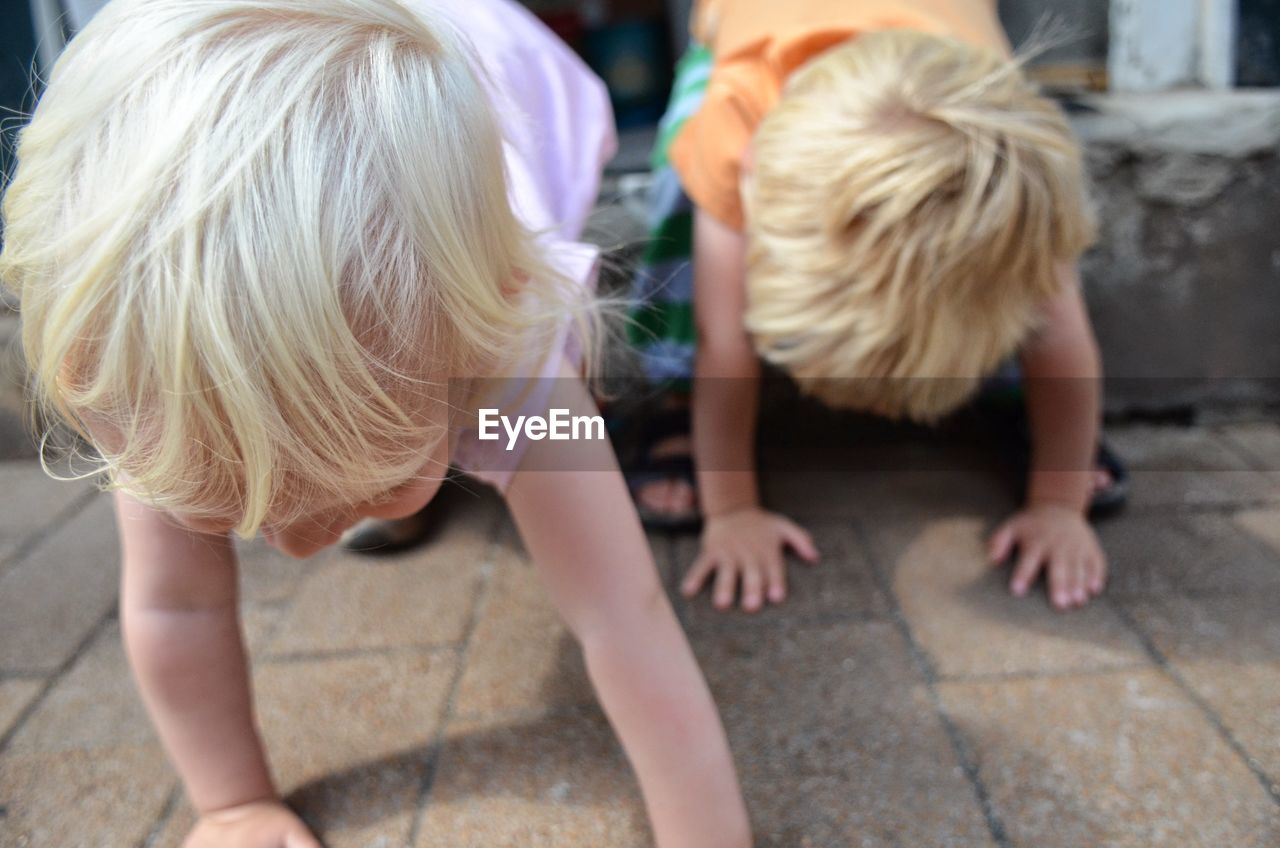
(1111, 484)
(670, 496)
(662, 479)
(1007, 426)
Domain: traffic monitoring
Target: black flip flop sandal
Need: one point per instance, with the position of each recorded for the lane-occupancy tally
(1008, 425)
(645, 469)
(1110, 501)
(657, 470)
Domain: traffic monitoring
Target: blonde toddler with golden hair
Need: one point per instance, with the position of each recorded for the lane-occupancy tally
(255, 242)
(885, 209)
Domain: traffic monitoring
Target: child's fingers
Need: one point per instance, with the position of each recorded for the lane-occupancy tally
(753, 587)
(697, 576)
(1025, 572)
(776, 580)
(800, 541)
(1095, 573)
(1073, 565)
(301, 840)
(1082, 579)
(726, 584)
(1060, 585)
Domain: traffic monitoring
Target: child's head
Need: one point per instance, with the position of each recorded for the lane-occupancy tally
(911, 200)
(254, 239)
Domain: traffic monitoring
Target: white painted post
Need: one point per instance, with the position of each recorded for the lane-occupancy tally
(1153, 44)
(1219, 28)
(1162, 44)
(53, 21)
(46, 20)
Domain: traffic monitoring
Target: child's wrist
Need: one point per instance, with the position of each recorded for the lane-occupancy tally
(1068, 490)
(723, 510)
(238, 810)
(233, 804)
(1050, 501)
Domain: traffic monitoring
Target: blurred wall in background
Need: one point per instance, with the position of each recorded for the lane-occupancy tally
(17, 57)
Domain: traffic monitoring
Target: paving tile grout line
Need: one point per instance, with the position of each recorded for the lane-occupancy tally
(679, 603)
(1019, 676)
(581, 709)
(924, 665)
(1268, 553)
(1234, 445)
(37, 537)
(1271, 787)
(166, 813)
(498, 533)
(410, 648)
(56, 676)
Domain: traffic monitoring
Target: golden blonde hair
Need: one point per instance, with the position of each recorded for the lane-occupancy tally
(911, 199)
(254, 239)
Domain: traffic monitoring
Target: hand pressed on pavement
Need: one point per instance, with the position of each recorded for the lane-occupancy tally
(259, 824)
(1058, 540)
(747, 547)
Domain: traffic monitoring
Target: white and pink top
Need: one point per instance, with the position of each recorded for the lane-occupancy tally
(558, 133)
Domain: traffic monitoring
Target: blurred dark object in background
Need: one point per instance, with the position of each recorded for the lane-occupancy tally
(18, 51)
(1258, 59)
(626, 42)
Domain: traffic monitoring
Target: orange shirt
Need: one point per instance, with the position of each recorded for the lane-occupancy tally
(756, 44)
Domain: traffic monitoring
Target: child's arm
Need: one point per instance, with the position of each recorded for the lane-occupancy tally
(179, 614)
(1062, 374)
(583, 534)
(740, 540)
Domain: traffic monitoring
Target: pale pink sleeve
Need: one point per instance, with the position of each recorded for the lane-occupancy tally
(558, 133)
(527, 393)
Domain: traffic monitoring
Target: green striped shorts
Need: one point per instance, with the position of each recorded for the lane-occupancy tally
(662, 327)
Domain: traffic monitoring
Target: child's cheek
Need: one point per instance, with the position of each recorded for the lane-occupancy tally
(306, 538)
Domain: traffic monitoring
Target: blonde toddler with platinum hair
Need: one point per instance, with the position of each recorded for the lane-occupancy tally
(254, 241)
(912, 199)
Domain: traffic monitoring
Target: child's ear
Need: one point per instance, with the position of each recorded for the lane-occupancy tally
(517, 283)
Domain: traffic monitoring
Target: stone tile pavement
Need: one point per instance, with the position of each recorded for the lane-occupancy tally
(901, 698)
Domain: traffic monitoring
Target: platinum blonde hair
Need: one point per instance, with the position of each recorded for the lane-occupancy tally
(911, 201)
(253, 240)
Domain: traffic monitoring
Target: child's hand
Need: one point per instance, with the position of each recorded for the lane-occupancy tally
(260, 824)
(749, 545)
(1059, 538)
